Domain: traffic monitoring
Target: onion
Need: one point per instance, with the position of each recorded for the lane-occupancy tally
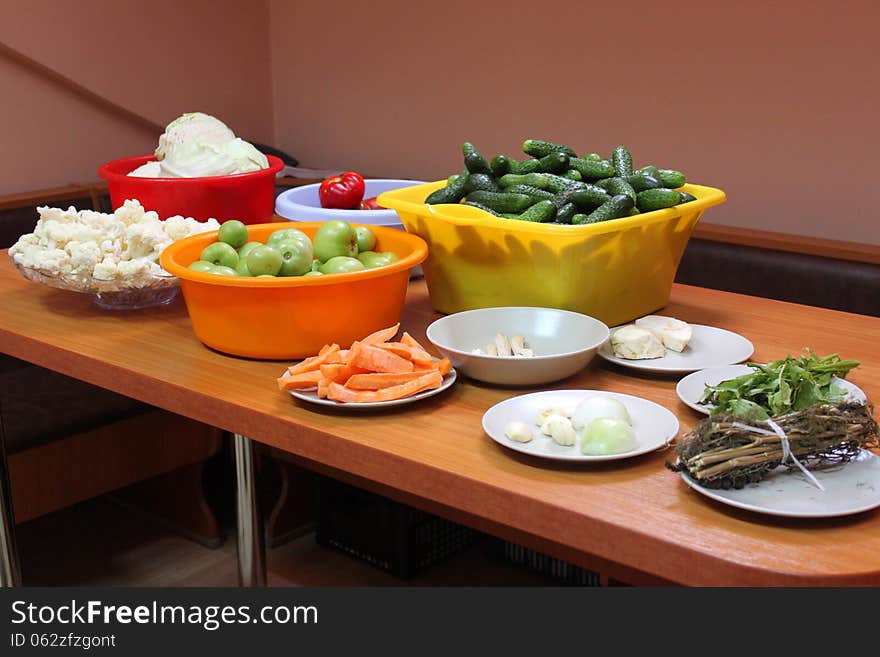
(607, 435)
(598, 406)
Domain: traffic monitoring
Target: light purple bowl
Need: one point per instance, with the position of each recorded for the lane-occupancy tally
(302, 204)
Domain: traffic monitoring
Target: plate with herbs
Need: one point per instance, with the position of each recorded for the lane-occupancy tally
(851, 487)
(756, 391)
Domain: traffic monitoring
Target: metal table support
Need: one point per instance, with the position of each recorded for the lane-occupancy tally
(251, 543)
(10, 573)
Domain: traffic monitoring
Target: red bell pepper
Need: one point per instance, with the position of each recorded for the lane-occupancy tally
(370, 204)
(343, 192)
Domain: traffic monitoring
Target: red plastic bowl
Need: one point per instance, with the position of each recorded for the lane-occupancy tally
(248, 197)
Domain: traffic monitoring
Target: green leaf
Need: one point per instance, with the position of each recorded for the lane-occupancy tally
(748, 410)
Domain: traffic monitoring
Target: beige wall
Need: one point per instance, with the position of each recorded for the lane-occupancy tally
(158, 58)
(774, 102)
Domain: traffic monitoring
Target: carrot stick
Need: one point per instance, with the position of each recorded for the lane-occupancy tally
(382, 335)
(300, 380)
(379, 360)
(428, 380)
(313, 362)
(378, 380)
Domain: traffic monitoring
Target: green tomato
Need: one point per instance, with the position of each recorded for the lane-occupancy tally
(221, 254)
(202, 266)
(335, 238)
(265, 276)
(247, 248)
(341, 264)
(224, 271)
(372, 259)
(365, 237)
(313, 273)
(241, 268)
(264, 260)
(285, 235)
(233, 232)
(316, 264)
(296, 257)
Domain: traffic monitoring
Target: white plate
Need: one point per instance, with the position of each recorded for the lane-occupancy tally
(709, 347)
(690, 388)
(311, 395)
(653, 425)
(849, 488)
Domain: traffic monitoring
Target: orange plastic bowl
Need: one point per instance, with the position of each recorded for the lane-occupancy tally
(248, 197)
(292, 317)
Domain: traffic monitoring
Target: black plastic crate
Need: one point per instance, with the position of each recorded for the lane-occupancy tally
(556, 569)
(395, 537)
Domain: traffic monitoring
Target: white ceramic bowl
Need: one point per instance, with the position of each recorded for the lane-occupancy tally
(302, 204)
(563, 343)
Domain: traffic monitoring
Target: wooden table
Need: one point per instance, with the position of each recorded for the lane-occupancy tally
(632, 519)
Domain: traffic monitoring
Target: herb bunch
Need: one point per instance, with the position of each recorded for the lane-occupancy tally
(789, 384)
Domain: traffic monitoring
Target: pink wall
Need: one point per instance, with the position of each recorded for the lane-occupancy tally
(774, 102)
(158, 59)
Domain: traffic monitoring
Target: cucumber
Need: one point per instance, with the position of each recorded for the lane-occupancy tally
(650, 170)
(484, 208)
(481, 181)
(617, 185)
(539, 180)
(554, 163)
(591, 169)
(510, 215)
(592, 156)
(535, 192)
(452, 193)
(565, 213)
(558, 183)
(657, 199)
(502, 201)
(634, 212)
(622, 160)
(451, 179)
(540, 212)
(473, 161)
(540, 148)
(589, 197)
(671, 178)
(524, 167)
(686, 198)
(574, 174)
(642, 181)
(614, 208)
(500, 165)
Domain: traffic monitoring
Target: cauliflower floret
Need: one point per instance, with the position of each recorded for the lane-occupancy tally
(54, 262)
(83, 255)
(123, 246)
(106, 270)
(178, 227)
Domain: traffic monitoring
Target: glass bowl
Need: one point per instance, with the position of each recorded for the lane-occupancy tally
(156, 289)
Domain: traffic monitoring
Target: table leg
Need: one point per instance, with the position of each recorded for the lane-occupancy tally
(10, 574)
(251, 542)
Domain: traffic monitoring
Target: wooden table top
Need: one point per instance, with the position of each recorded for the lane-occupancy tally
(615, 517)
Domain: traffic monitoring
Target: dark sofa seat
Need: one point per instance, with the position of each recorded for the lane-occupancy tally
(39, 406)
(808, 279)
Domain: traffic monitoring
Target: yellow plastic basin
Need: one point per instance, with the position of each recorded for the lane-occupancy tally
(614, 271)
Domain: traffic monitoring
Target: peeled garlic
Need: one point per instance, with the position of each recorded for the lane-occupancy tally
(519, 432)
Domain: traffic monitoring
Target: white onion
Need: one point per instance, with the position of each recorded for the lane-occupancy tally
(598, 406)
(607, 435)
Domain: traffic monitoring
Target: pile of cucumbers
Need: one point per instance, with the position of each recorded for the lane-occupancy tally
(556, 186)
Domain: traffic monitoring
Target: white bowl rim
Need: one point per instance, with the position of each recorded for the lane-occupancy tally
(301, 189)
(508, 359)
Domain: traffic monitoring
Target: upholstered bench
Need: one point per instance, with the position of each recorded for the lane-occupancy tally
(814, 280)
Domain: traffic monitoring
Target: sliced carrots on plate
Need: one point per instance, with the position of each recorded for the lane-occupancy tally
(373, 369)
